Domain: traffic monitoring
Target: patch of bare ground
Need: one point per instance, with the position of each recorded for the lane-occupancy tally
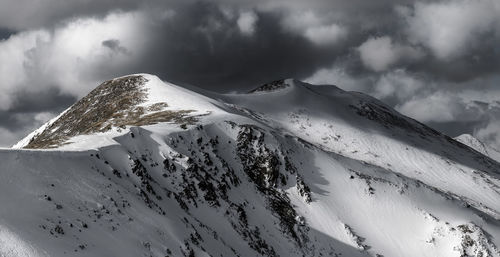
(114, 103)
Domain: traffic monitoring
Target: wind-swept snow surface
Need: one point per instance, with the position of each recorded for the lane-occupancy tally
(479, 146)
(289, 169)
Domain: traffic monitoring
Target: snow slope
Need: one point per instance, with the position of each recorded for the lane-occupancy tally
(479, 146)
(289, 169)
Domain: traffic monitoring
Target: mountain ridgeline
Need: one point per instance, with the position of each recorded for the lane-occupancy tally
(142, 167)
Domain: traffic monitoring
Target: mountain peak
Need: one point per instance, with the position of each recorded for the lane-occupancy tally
(117, 103)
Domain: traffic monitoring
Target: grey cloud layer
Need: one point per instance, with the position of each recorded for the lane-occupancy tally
(432, 60)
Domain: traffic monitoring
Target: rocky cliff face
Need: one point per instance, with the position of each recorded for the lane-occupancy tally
(145, 168)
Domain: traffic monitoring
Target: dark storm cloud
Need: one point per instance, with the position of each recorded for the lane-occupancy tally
(415, 55)
(182, 45)
(28, 110)
(114, 44)
(5, 33)
(28, 14)
(484, 60)
(51, 100)
(201, 46)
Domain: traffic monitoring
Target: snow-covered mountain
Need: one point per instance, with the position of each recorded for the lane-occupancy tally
(141, 167)
(479, 146)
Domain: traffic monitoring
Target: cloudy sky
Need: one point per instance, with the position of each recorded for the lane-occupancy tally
(435, 61)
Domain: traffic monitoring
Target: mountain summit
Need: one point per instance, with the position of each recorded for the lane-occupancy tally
(141, 167)
(135, 100)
